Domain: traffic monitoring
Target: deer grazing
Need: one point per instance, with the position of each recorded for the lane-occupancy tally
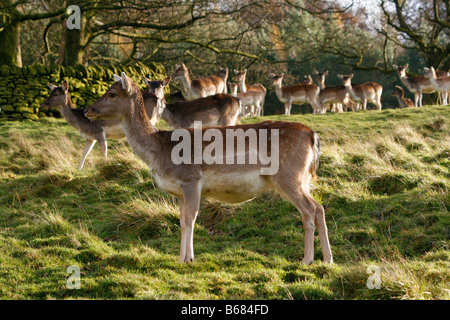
(336, 96)
(215, 110)
(363, 93)
(199, 88)
(402, 101)
(257, 87)
(92, 131)
(441, 84)
(417, 84)
(254, 100)
(298, 155)
(297, 94)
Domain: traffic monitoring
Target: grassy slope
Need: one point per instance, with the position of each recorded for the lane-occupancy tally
(384, 181)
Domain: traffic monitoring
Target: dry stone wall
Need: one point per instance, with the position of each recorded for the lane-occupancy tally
(23, 90)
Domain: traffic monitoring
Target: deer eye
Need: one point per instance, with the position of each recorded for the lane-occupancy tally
(111, 95)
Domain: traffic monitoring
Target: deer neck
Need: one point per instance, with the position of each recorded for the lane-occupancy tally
(139, 131)
(322, 84)
(279, 91)
(67, 111)
(406, 81)
(351, 90)
(186, 86)
(434, 82)
(242, 85)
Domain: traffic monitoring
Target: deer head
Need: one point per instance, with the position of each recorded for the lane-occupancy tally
(116, 102)
(156, 87)
(58, 96)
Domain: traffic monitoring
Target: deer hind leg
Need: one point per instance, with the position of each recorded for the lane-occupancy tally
(87, 149)
(188, 214)
(312, 214)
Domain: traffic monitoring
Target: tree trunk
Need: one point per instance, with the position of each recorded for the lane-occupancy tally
(75, 44)
(10, 53)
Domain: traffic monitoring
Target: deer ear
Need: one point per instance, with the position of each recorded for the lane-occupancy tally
(166, 81)
(146, 81)
(340, 76)
(406, 66)
(126, 82)
(51, 86)
(65, 86)
(326, 73)
(236, 71)
(272, 75)
(117, 78)
(351, 76)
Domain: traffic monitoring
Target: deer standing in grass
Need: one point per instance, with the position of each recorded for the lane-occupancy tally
(257, 87)
(254, 100)
(336, 96)
(402, 101)
(198, 88)
(363, 93)
(92, 131)
(441, 84)
(215, 110)
(297, 94)
(298, 156)
(417, 84)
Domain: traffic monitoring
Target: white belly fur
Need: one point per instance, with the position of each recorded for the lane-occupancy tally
(234, 187)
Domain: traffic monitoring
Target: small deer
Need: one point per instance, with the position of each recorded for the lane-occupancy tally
(336, 96)
(215, 110)
(254, 100)
(417, 85)
(363, 93)
(402, 101)
(198, 88)
(297, 94)
(440, 83)
(257, 87)
(298, 155)
(92, 131)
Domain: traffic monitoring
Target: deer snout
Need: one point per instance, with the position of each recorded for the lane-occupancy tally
(91, 113)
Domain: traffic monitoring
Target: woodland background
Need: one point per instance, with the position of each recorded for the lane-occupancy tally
(294, 37)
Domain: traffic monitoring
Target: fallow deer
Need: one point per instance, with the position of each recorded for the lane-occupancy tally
(336, 96)
(402, 101)
(216, 110)
(297, 94)
(254, 100)
(298, 154)
(417, 84)
(92, 131)
(198, 88)
(363, 93)
(257, 87)
(441, 84)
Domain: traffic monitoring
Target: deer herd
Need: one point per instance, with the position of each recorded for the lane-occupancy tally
(127, 111)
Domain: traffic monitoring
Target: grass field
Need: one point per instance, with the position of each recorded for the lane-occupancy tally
(384, 181)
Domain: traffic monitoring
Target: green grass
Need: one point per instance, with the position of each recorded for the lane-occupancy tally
(383, 180)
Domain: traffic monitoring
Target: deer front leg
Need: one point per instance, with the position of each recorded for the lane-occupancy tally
(102, 143)
(188, 215)
(87, 149)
